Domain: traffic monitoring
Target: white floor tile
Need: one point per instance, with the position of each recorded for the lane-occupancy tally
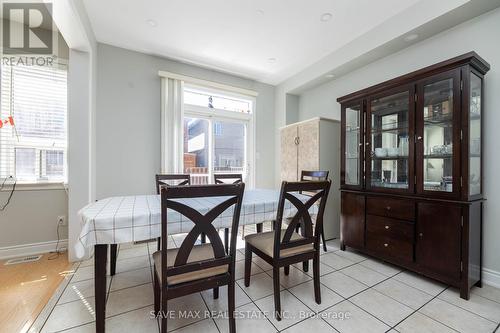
(131, 264)
(333, 245)
(351, 255)
(403, 293)
(69, 315)
(83, 273)
(140, 320)
(323, 269)
(295, 277)
(335, 261)
(292, 309)
(314, 324)
(78, 290)
(239, 272)
(261, 285)
(429, 286)
(131, 279)
(381, 267)
(347, 317)
(249, 319)
(305, 292)
(418, 323)
(186, 310)
(129, 299)
(135, 251)
(205, 326)
(364, 274)
(476, 304)
(383, 307)
(342, 284)
(220, 304)
(457, 318)
(261, 263)
(488, 292)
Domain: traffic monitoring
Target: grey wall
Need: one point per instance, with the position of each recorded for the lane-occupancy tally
(31, 217)
(480, 35)
(128, 120)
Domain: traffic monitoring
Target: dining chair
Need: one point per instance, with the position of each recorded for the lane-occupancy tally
(287, 247)
(227, 178)
(179, 179)
(316, 175)
(193, 268)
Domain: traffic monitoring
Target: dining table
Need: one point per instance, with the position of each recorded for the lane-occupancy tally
(108, 222)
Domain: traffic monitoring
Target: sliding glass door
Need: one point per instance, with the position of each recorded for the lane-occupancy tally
(215, 145)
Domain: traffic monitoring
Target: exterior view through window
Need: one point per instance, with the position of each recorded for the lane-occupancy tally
(217, 134)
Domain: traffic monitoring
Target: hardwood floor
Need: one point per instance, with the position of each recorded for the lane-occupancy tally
(26, 288)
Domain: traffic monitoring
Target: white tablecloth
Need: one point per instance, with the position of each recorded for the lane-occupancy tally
(127, 219)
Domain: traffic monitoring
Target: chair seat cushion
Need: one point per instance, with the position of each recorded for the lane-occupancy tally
(265, 242)
(198, 253)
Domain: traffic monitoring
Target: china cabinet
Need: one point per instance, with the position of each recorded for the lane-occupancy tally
(411, 170)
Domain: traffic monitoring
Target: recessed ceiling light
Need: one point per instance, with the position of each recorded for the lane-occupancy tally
(329, 76)
(325, 17)
(260, 11)
(411, 37)
(271, 60)
(152, 22)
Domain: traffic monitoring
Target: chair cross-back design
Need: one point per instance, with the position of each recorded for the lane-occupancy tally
(282, 248)
(321, 188)
(182, 179)
(203, 271)
(307, 175)
(231, 178)
(234, 178)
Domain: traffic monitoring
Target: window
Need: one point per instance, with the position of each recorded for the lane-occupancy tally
(33, 140)
(218, 134)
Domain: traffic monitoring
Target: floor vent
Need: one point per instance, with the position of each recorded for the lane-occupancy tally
(23, 260)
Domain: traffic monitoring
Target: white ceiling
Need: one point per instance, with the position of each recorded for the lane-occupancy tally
(239, 36)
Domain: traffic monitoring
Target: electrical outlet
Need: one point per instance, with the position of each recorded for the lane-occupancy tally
(61, 220)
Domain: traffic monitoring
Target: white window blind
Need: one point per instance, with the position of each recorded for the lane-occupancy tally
(33, 134)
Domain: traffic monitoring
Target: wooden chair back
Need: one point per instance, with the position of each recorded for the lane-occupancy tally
(319, 190)
(171, 179)
(228, 178)
(171, 198)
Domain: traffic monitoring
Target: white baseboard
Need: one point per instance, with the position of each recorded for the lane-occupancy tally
(491, 277)
(31, 249)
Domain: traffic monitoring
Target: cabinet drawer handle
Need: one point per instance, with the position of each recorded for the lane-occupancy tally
(421, 235)
(388, 207)
(386, 245)
(386, 227)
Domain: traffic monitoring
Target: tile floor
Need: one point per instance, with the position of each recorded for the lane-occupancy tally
(359, 294)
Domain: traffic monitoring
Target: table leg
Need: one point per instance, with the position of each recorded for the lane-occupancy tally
(100, 256)
(113, 249)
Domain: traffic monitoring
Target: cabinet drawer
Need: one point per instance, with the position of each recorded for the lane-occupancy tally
(395, 208)
(391, 228)
(390, 248)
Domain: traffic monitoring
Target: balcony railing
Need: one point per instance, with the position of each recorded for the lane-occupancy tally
(201, 175)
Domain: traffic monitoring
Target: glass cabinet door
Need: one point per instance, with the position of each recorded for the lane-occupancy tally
(438, 133)
(475, 134)
(390, 155)
(353, 142)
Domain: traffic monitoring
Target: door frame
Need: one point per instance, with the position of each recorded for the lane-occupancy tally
(211, 115)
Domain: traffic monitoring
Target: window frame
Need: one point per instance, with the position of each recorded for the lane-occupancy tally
(213, 114)
(40, 145)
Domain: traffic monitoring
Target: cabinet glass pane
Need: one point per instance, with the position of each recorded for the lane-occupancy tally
(438, 136)
(475, 135)
(353, 140)
(389, 141)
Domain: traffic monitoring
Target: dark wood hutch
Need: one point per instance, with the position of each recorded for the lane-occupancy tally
(411, 175)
